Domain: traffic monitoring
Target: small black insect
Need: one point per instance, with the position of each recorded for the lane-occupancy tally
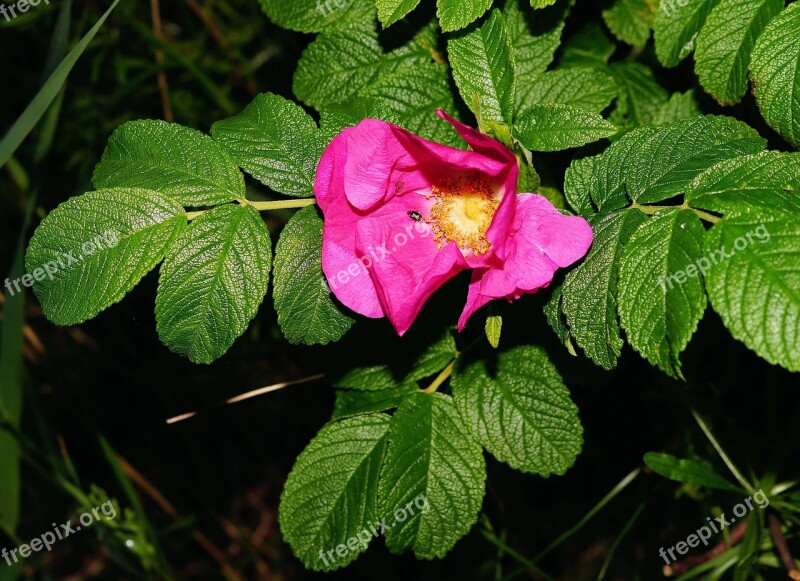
(414, 215)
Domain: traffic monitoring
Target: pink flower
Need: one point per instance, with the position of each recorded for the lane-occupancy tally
(404, 215)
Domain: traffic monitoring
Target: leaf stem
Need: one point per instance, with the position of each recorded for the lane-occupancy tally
(279, 204)
(441, 378)
(650, 210)
(192, 215)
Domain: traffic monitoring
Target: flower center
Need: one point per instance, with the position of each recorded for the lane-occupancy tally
(463, 212)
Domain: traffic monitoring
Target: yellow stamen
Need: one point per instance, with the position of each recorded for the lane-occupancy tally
(463, 212)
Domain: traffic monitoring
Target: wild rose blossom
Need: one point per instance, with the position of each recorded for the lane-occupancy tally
(381, 187)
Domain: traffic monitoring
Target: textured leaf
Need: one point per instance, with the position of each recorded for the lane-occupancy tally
(353, 402)
(213, 281)
(769, 180)
(754, 283)
(331, 493)
(641, 97)
(688, 471)
(680, 105)
(317, 15)
(725, 44)
(578, 184)
(534, 43)
(430, 456)
(677, 25)
(542, 3)
(552, 127)
(611, 169)
(456, 14)
(483, 68)
(413, 94)
(521, 412)
(554, 315)
(130, 229)
(775, 71)
(337, 65)
(672, 157)
(586, 88)
(494, 329)
(306, 312)
(381, 377)
(590, 290)
(631, 20)
(176, 161)
(390, 11)
(589, 46)
(661, 295)
(276, 142)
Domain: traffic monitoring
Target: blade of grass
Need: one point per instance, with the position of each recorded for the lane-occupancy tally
(47, 94)
(731, 466)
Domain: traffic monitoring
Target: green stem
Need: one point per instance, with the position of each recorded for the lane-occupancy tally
(441, 378)
(500, 544)
(650, 210)
(279, 204)
(192, 215)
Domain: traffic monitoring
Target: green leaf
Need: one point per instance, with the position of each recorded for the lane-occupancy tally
(176, 161)
(390, 11)
(542, 3)
(456, 14)
(100, 245)
(381, 377)
(586, 88)
(534, 43)
(337, 65)
(276, 142)
(590, 46)
(553, 127)
(768, 180)
(676, 26)
(673, 156)
(590, 289)
(554, 315)
(372, 378)
(331, 493)
(775, 72)
(754, 282)
(493, 328)
(306, 312)
(317, 15)
(413, 94)
(213, 281)
(631, 20)
(520, 411)
(687, 471)
(353, 402)
(641, 96)
(48, 93)
(611, 169)
(431, 461)
(578, 184)
(725, 44)
(483, 68)
(434, 358)
(661, 295)
(680, 105)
